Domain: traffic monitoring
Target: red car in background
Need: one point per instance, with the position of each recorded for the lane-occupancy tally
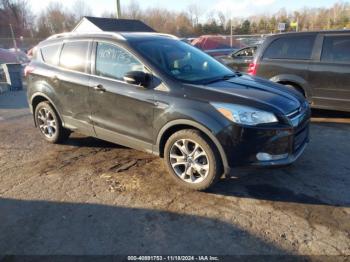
(217, 45)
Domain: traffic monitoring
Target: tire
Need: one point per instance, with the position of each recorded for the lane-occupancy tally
(192, 160)
(50, 124)
(295, 88)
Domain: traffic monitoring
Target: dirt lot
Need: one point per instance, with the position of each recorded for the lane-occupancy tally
(93, 197)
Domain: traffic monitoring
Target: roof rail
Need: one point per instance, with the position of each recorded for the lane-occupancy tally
(113, 34)
(152, 33)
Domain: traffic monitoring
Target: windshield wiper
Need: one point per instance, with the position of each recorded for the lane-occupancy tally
(221, 78)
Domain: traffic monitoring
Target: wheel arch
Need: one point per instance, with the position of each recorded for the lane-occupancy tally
(176, 125)
(39, 97)
(294, 80)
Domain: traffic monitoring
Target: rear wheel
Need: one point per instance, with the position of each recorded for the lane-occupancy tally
(192, 160)
(49, 123)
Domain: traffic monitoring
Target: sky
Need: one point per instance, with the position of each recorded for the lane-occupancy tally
(234, 8)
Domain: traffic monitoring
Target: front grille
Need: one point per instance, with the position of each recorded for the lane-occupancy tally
(299, 120)
(298, 116)
(293, 114)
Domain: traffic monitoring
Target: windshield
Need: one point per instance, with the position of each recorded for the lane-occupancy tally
(182, 61)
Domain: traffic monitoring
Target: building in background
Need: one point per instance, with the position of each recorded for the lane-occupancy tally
(99, 24)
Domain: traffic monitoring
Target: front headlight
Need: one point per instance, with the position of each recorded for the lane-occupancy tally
(245, 115)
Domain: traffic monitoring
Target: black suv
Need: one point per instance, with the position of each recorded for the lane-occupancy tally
(315, 63)
(156, 93)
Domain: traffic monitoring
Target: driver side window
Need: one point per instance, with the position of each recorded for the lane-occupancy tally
(114, 62)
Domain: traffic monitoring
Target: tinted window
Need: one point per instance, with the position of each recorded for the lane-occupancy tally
(50, 54)
(74, 55)
(115, 62)
(296, 47)
(336, 49)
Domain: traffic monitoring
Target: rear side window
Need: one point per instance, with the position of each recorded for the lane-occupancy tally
(50, 54)
(336, 49)
(74, 55)
(296, 47)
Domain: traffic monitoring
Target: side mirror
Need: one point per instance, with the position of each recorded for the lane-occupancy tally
(137, 78)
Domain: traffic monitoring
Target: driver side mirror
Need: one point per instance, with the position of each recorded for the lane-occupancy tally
(137, 78)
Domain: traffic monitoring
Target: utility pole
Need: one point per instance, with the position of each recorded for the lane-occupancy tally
(14, 41)
(297, 28)
(231, 40)
(118, 9)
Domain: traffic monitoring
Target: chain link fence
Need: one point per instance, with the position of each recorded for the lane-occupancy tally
(23, 43)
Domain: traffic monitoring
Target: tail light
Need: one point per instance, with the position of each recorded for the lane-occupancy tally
(27, 70)
(252, 68)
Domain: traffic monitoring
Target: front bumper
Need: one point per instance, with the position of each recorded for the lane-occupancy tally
(283, 162)
(242, 144)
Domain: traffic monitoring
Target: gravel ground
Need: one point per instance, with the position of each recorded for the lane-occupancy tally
(92, 197)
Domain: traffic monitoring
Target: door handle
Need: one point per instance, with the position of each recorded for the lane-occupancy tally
(99, 88)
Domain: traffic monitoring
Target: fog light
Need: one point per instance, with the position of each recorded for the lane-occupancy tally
(268, 157)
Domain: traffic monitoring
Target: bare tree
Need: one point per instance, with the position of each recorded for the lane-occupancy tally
(222, 19)
(17, 13)
(55, 19)
(195, 12)
(132, 11)
(80, 9)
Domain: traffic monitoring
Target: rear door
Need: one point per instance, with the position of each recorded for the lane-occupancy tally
(287, 57)
(121, 112)
(330, 72)
(73, 78)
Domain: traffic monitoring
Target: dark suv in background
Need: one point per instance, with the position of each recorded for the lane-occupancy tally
(156, 93)
(317, 64)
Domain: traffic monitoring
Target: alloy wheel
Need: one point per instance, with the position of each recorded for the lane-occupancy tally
(47, 122)
(189, 161)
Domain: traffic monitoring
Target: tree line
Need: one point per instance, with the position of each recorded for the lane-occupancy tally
(188, 23)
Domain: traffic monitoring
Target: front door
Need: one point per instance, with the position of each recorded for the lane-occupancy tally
(122, 113)
(329, 75)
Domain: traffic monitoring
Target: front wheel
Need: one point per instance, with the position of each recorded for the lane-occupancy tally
(49, 123)
(192, 159)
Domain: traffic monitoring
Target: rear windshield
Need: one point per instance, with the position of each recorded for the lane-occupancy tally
(292, 47)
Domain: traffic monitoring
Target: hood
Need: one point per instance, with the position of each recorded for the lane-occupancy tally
(252, 91)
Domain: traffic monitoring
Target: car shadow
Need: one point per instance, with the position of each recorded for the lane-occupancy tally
(330, 117)
(52, 228)
(299, 183)
(262, 184)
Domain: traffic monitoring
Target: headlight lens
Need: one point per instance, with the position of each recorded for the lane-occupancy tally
(245, 115)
